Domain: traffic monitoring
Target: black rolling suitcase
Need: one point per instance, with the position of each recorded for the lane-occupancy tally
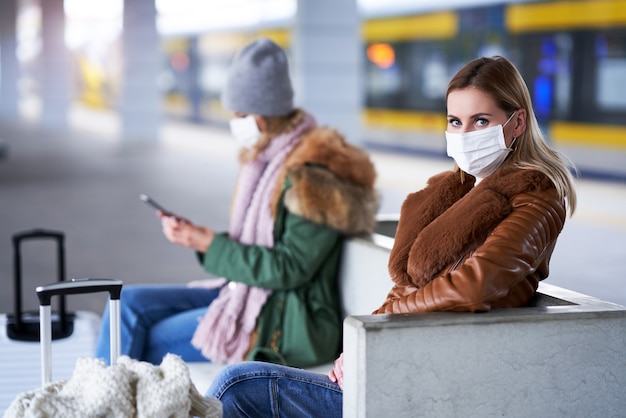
(73, 334)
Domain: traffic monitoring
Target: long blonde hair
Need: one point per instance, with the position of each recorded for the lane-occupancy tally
(275, 125)
(499, 78)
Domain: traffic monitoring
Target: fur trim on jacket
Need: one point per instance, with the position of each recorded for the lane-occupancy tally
(448, 220)
(332, 183)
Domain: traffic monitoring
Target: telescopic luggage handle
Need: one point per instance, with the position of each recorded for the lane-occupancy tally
(76, 286)
(35, 234)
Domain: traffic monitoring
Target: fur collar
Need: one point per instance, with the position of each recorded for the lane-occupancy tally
(449, 219)
(332, 183)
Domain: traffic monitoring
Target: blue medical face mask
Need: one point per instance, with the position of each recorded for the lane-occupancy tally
(245, 131)
(481, 152)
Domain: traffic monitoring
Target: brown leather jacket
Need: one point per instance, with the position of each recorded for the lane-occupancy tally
(465, 248)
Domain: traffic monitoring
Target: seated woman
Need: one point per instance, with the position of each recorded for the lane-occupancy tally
(477, 238)
(301, 190)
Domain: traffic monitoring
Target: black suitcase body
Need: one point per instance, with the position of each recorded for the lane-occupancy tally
(73, 335)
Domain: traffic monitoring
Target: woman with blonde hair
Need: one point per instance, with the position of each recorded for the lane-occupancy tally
(476, 238)
(499, 78)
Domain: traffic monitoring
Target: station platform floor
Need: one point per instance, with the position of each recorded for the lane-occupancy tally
(86, 182)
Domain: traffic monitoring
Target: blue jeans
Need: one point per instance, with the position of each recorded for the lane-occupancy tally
(156, 320)
(260, 390)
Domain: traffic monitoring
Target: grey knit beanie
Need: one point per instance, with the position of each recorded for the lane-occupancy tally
(258, 81)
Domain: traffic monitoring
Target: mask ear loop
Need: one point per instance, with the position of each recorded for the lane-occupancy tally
(514, 138)
(509, 119)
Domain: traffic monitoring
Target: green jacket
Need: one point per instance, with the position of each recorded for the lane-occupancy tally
(301, 324)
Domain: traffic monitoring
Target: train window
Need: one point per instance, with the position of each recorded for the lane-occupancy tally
(382, 75)
(407, 75)
(427, 76)
(546, 64)
(435, 77)
(213, 77)
(610, 51)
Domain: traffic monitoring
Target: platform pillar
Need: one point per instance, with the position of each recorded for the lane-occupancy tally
(55, 69)
(9, 67)
(140, 107)
(327, 66)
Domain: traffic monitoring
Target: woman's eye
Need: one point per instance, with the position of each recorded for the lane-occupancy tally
(482, 122)
(454, 122)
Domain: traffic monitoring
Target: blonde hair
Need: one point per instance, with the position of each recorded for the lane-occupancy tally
(275, 125)
(499, 78)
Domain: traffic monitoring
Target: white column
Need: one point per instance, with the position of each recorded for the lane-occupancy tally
(9, 67)
(327, 67)
(140, 105)
(55, 69)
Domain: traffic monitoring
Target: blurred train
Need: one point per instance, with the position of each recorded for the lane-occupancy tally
(571, 53)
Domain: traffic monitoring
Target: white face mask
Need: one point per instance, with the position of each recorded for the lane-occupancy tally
(481, 152)
(245, 131)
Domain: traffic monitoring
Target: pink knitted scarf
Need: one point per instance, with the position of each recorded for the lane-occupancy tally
(223, 334)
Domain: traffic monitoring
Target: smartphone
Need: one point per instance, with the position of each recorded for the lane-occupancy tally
(155, 205)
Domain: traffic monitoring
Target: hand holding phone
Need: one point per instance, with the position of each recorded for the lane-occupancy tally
(147, 199)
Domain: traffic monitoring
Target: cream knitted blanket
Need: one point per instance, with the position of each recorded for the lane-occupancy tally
(129, 388)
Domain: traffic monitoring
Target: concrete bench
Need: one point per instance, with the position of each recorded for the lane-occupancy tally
(563, 356)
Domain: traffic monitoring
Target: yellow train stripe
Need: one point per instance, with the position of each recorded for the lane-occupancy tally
(441, 25)
(231, 41)
(593, 135)
(170, 45)
(282, 37)
(565, 15)
(405, 120)
(223, 42)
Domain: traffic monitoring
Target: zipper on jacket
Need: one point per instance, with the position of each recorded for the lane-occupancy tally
(459, 261)
(274, 340)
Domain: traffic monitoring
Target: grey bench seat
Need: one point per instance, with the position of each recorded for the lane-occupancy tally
(564, 356)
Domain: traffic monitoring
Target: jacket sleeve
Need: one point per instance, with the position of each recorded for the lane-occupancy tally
(295, 258)
(503, 272)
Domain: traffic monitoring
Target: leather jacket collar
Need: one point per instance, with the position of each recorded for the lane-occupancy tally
(448, 220)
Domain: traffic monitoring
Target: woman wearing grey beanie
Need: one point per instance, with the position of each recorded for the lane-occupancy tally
(300, 191)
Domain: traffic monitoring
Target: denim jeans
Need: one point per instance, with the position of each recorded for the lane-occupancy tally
(260, 390)
(156, 320)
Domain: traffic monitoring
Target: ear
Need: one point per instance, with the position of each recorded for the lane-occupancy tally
(261, 123)
(520, 122)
